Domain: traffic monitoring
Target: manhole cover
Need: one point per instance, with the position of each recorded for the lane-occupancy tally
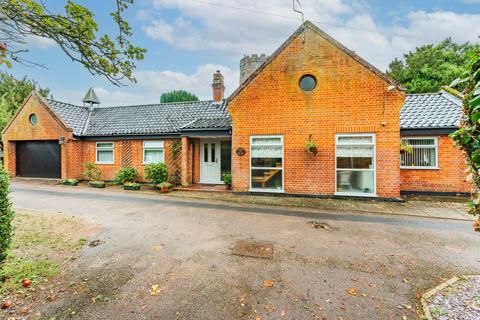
(253, 249)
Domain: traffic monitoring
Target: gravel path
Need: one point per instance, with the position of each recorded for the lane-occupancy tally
(460, 301)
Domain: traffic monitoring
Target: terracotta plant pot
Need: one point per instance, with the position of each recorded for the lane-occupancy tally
(165, 190)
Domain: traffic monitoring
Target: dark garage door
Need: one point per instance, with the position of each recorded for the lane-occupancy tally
(38, 159)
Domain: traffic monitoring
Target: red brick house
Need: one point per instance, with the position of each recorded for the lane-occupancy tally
(311, 91)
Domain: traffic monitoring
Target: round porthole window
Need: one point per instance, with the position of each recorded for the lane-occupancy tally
(307, 82)
(33, 119)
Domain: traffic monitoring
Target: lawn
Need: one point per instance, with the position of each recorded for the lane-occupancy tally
(42, 246)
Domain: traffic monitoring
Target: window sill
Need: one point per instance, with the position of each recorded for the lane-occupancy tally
(267, 190)
(356, 194)
(419, 168)
(104, 162)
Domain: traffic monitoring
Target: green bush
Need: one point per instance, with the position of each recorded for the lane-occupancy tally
(126, 174)
(156, 172)
(227, 179)
(6, 217)
(92, 172)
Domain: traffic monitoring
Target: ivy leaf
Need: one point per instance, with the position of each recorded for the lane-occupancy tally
(475, 102)
(475, 116)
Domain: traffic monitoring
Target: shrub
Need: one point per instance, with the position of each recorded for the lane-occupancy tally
(164, 185)
(92, 172)
(156, 172)
(126, 174)
(227, 179)
(6, 217)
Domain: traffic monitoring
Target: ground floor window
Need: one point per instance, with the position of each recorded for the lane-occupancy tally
(153, 151)
(355, 163)
(266, 163)
(423, 155)
(104, 153)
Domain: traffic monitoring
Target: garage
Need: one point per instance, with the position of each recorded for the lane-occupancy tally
(38, 159)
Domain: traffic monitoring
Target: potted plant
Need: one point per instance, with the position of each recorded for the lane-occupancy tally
(69, 182)
(405, 148)
(126, 174)
(93, 173)
(131, 186)
(164, 187)
(310, 147)
(227, 179)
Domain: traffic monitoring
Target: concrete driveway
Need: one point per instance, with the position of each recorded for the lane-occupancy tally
(368, 267)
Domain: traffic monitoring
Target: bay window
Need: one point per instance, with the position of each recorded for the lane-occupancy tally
(153, 151)
(424, 153)
(355, 164)
(266, 163)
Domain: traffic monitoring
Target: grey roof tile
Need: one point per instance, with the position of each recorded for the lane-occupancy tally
(164, 118)
(430, 110)
(212, 123)
(74, 116)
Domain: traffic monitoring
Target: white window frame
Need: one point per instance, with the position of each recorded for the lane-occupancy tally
(435, 139)
(263, 168)
(105, 149)
(374, 164)
(153, 149)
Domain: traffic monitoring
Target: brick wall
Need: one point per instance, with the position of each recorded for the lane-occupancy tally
(349, 98)
(449, 177)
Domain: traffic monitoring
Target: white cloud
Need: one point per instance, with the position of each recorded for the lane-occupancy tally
(151, 84)
(234, 32)
(199, 82)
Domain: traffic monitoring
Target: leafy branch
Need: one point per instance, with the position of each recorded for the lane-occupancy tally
(467, 137)
(75, 32)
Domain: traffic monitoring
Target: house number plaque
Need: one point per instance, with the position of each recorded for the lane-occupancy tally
(240, 151)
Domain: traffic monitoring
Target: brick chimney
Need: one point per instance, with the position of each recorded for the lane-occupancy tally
(218, 87)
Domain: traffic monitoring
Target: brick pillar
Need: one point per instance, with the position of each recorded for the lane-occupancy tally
(186, 173)
(9, 157)
(63, 160)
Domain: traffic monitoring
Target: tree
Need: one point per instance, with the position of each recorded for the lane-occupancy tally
(76, 33)
(12, 94)
(177, 96)
(467, 137)
(6, 217)
(430, 67)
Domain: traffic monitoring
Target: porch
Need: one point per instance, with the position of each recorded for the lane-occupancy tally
(205, 159)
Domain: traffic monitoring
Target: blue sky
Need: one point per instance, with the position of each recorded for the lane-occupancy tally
(187, 40)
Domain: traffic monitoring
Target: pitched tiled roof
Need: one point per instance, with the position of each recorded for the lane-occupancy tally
(164, 118)
(74, 116)
(431, 110)
(213, 123)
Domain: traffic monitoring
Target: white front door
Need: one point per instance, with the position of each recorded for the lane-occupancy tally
(210, 161)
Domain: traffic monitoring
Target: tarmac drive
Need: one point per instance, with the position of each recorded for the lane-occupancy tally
(184, 246)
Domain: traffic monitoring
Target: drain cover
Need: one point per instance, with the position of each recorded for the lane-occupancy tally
(253, 249)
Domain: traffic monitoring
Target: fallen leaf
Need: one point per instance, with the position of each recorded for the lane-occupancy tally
(283, 313)
(268, 283)
(155, 290)
(352, 292)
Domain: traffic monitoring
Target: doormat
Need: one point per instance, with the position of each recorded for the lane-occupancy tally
(253, 249)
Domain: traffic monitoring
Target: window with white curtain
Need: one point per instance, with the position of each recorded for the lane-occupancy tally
(104, 153)
(424, 153)
(153, 151)
(355, 164)
(266, 163)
